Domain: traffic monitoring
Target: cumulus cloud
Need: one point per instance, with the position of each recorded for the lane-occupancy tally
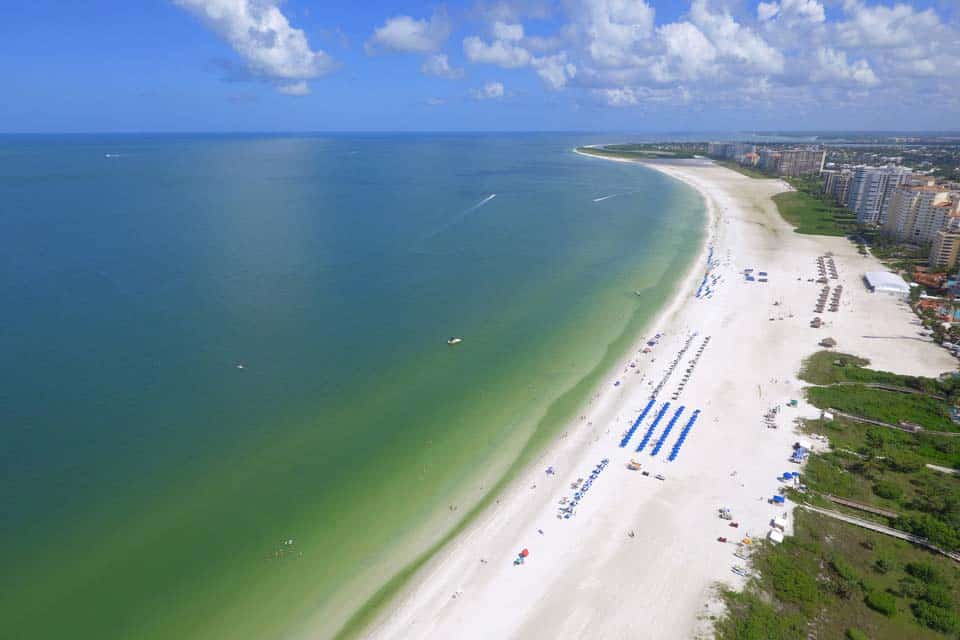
(489, 91)
(404, 34)
(507, 31)
(614, 30)
(833, 66)
(618, 97)
(792, 11)
(554, 70)
(438, 65)
(734, 41)
(881, 26)
(261, 34)
(788, 52)
(689, 54)
(499, 52)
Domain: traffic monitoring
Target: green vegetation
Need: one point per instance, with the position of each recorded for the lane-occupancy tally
(811, 212)
(828, 367)
(750, 172)
(634, 152)
(926, 407)
(886, 406)
(832, 579)
(814, 216)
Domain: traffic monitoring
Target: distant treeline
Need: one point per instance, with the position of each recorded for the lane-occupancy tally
(647, 151)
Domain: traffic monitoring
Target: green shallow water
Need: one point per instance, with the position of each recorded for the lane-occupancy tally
(152, 484)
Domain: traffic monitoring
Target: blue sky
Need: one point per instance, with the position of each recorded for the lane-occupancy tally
(624, 65)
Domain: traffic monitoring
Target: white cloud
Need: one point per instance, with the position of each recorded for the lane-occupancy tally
(833, 66)
(619, 97)
(881, 26)
(501, 53)
(554, 70)
(507, 31)
(296, 89)
(689, 54)
(259, 32)
(731, 53)
(438, 65)
(767, 10)
(614, 29)
(489, 91)
(404, 34)
(735, 42)
(794, 11)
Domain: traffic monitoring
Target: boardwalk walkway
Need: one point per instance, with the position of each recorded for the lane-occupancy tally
(879, 528)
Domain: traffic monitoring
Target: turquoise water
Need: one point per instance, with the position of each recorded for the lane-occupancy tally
(152, 487)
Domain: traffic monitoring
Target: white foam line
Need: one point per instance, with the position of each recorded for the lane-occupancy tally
(481, 203)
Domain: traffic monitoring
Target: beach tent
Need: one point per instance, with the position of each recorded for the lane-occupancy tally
(779, 499)
(886, 282)
(775, 536)
(780, 522)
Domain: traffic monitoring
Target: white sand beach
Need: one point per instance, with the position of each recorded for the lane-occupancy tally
(587, 576)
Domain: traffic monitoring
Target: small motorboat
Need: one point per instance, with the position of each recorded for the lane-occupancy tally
(454, 340)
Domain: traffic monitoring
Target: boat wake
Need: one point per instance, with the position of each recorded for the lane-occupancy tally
(479, 204)
(460, 217)
(613, 195)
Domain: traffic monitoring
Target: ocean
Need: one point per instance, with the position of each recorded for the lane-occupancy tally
(228, 405)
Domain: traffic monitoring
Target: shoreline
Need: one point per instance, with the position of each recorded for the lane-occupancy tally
(365, 620)
(684, 289)
(607, 571)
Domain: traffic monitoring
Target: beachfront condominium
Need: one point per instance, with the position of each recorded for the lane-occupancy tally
(946, 247)
(792, 162)
(836, 184)
(738, 151)
(870, 189)
(917, 213)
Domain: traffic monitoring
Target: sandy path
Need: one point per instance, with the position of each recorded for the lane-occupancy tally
(586, 576)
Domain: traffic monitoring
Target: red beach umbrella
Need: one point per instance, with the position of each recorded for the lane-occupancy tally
(524, 553)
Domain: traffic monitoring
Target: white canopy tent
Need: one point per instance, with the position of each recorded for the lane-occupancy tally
(886, 282)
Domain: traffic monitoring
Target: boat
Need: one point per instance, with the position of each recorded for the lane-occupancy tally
(454, 340)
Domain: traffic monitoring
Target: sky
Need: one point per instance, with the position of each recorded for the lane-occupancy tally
(403, 65)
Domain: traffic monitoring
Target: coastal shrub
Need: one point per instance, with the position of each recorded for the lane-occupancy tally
(856, 634)
(929, 527)
(844, 570)
(903, 461)
(936, 618)
(791, 582)
(908, 587)
(938, 596)
(888, 490)
(885, 406)
(750, 618)
(924, 572)
(885, 563)
(882, 602)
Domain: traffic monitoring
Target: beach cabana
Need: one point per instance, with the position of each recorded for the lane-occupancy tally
(775, 536)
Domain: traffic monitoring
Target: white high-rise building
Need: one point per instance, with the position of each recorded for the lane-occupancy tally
(870, 188)
(917, 213)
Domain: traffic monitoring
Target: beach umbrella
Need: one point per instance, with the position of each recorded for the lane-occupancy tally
(524, 553)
